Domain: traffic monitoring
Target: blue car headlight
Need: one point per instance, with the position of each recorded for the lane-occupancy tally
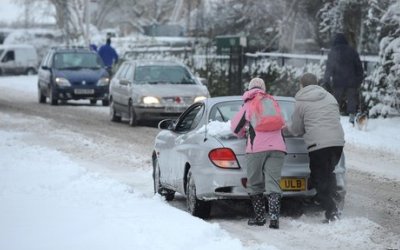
(104, 81)
(62, 82)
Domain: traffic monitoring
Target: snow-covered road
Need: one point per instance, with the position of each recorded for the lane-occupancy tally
(70, 179)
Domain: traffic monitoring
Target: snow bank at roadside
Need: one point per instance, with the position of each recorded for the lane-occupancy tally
(380, 134)
(50, 202)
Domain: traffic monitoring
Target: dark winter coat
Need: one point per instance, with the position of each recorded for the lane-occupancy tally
(343, 67)
(108, 54)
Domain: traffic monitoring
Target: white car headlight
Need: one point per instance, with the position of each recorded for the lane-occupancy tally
(62, 82)
(104, 81)
(199, 98)
(150, 100)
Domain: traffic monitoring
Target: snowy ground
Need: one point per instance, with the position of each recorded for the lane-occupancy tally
(49, 200)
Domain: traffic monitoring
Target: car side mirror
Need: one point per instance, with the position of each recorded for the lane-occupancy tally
(203, 81)
(124, 82)
(45, 67)
(166, 124)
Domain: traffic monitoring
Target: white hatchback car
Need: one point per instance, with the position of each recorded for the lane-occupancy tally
(153, 90)
(197, 156)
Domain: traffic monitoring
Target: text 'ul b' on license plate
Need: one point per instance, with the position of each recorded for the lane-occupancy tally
(293, 184)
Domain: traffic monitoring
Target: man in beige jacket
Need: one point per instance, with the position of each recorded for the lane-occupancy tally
(316, 117)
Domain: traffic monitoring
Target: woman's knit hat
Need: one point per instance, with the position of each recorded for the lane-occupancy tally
(257, 83)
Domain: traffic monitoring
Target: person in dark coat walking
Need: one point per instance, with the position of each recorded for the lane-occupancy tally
(344, 74)
(108, 54)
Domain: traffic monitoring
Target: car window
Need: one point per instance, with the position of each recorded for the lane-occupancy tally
(122, 71)
(71, 60)
(225, 111)
(10, 56)
(287, 108)
(159, 74)
(45, 60)
(129, 73)
(190, 120)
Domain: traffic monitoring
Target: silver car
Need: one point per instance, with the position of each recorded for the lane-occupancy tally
(199, 157)
(153, 90)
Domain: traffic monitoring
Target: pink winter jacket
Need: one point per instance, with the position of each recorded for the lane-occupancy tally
(256, 141)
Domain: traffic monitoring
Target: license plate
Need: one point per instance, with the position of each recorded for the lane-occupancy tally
(175, 109)
(84, 91)
(293, 184)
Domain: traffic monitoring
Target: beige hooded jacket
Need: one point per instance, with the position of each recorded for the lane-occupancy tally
(317, 118)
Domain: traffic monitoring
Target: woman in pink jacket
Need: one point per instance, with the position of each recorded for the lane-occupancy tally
(265, 152)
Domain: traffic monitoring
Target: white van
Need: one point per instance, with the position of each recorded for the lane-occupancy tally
(18, 59)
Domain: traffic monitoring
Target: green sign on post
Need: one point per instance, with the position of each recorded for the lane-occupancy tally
(224, 43)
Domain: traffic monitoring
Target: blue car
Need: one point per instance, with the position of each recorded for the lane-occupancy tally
(73, 74)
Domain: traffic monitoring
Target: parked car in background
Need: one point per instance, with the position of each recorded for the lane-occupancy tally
(73, 74)
(153, 90)
(18, 59)
(198, 156)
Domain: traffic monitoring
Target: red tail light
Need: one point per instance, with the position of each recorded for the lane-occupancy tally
(224, 158)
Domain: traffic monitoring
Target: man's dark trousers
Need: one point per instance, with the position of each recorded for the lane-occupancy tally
(322, 165)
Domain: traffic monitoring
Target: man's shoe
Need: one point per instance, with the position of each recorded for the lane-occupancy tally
(332, 218)
(274, 224)
(351, 118)
(256, 222)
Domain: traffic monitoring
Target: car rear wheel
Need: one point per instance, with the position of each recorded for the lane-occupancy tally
(30, 71)
(93, 101)
(41, 97)
(105, 102)
(113, 114)
(195, 206)
(158, 188)
(53, 97)
(132, 116)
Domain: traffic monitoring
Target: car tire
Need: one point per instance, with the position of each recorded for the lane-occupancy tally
(53, 97)
(158, 188)
(30, 71)
(132, 116)
(113, 114)
(105, 102)
(195, 206)
(41, 97)
(93, 101)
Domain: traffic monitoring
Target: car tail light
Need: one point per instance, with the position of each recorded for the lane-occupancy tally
(224, 158)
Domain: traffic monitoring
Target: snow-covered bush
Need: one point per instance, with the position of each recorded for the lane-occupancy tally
(281, 80)
(381, 91)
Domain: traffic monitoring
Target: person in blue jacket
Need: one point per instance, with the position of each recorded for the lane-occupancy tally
(108, 54)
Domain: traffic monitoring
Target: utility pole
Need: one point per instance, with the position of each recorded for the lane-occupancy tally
(189, 3)
(66, 22)
(87, 22)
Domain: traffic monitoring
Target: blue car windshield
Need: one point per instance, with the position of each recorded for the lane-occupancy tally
(159, 74)
(77, 60)
(225, 111)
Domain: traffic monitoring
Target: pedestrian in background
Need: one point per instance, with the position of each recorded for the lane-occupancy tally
(93, 47)
(344, 74)
(265, 152)
(108, 55)
(317, 118)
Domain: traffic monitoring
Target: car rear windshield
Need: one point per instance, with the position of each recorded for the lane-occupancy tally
(225, 111)
(77, 60)
(159, 74)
